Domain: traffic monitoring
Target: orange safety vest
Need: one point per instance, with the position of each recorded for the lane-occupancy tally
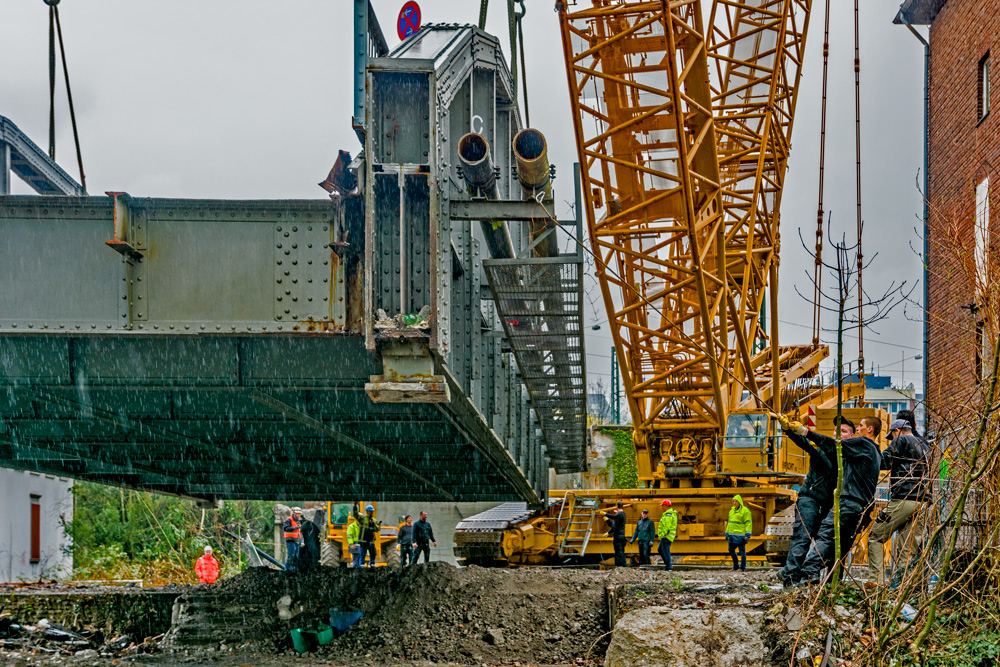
(207, 569)
(294, 532)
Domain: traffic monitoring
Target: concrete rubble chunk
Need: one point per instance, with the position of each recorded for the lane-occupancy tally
(493, 636)
(667, 637)
(794, 622)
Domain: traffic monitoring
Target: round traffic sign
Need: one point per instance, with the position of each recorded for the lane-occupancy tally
(409, 20)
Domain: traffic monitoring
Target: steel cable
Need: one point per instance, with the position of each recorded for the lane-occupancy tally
(817, 270)
(55, 28)
(857, 142)
(52, 81)
(524, 69)
(69, 97)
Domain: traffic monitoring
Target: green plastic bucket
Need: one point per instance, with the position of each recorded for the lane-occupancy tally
(304, 641)
(324, 634)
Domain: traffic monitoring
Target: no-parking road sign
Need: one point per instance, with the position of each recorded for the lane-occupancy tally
(409, 20)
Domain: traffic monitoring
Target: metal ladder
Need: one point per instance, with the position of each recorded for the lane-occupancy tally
(579, 524)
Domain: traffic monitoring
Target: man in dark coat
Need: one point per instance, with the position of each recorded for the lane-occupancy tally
(423, 537)
(815, 498)
(645, 533)
(861, 467)
(616, 525)
(405, 541)
(906, 458)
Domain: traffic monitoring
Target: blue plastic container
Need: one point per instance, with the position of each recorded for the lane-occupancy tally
(342, 618)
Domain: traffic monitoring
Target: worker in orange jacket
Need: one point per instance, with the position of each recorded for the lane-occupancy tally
(207, 568)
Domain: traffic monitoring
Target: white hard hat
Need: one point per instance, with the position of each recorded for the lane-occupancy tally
(297, 509)
(208, 550)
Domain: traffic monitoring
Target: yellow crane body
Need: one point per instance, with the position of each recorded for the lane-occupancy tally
(682, 123)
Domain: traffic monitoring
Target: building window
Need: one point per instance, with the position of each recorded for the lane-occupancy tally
(981, 234)
(983, 88)
(36, 528)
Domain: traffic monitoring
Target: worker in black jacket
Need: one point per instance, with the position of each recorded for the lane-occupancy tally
(645, 533)
(616, 524)
(405, 541)
(906, 458)
(815, 496)
(861, 467)
(423, 537)
(370, 529)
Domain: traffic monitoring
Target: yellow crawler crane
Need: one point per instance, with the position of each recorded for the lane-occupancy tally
(683, 132)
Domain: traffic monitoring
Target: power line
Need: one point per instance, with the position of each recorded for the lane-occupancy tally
(847, 335)
(796, 324)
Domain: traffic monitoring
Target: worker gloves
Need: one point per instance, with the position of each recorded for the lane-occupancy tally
(793, 426)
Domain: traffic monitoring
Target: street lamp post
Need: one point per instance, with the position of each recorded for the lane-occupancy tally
(902, 360)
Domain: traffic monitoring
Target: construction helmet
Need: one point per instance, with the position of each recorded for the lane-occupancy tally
(665, 503)
(370, 508)
(297, 509)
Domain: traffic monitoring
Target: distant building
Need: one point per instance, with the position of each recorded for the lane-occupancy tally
(880, 393)
(33, 509)
(962, 151)
(891, 400)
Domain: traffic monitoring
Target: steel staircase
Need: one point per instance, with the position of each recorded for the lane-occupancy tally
(578, 514)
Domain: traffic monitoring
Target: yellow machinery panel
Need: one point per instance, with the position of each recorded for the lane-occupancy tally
(339, 518)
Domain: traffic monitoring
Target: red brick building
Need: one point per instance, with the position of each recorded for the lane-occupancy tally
(962, 178)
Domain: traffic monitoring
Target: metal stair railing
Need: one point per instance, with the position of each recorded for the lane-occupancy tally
(579, 525)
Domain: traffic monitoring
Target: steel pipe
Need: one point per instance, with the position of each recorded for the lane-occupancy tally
(480, 176)
(531, 157)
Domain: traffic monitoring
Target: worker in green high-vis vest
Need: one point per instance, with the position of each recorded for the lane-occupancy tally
(666, 530)
(738, 530)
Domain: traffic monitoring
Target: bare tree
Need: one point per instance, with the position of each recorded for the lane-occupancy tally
(962, 526)
(854, 306)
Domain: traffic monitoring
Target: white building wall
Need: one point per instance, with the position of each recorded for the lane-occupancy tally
(443, 518)
(55, 496)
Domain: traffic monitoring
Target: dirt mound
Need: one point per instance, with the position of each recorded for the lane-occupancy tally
(431, 612)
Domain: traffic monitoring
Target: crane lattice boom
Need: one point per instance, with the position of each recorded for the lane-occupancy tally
(683, 129)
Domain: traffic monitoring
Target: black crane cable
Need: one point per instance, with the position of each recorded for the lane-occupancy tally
(857, 143)
(512, 29)
(52, 81)
(817, 269)
(55, 28)
(514, 18)
(518, 16)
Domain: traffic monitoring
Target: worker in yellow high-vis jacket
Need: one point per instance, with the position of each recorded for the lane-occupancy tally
(738, 530)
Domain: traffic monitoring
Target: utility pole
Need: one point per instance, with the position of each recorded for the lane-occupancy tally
(616, 415)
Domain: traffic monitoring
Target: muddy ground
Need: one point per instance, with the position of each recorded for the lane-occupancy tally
(438, 614)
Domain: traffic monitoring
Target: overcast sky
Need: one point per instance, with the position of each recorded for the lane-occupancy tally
(252, 99)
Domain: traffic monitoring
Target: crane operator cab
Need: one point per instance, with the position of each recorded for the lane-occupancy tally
(754, 446)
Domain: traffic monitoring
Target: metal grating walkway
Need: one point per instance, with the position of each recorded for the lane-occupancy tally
(539, 301)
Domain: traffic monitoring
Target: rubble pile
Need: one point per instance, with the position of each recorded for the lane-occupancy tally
(438, 614)
(430, 612)
(54, 639)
